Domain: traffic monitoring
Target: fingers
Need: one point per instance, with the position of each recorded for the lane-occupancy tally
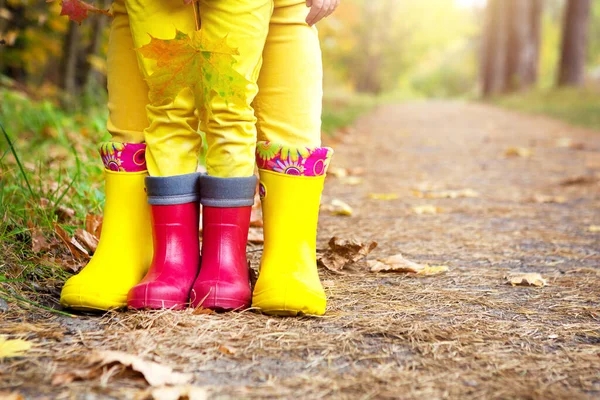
(320, 9)
(315, 9)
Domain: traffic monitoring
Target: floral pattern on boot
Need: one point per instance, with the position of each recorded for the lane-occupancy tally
(289, 160)
(123, 157)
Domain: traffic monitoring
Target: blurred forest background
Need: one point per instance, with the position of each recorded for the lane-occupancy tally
(540, 56)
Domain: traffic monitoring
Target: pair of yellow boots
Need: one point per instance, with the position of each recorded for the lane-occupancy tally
(291, 183)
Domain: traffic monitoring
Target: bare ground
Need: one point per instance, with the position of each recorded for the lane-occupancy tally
(461, 334)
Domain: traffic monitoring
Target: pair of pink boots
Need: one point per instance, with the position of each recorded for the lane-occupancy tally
(178, 277)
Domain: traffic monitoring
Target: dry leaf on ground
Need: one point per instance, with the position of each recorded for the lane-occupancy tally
(93, 224)
(383, 196)
(338, 172)
(64, 213)
(542, 198)
(426, 209)
(255, 235)
(569, 143)
(87, 239)
(397, 263)
(13, 347)
(578, 180)
(76, 248)
(188, 392)
(351, 180)
(38, 240)
(338, 207)
(11, 396)
(526, 279)
(523, 152)
(343, 252)
(155, 374)
(446, 194)
(65, 378)
(227, 350)
(594, 228)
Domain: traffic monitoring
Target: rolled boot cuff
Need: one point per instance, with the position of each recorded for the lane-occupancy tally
(170, 190)
(123, 157)
(291, 160)
(227, 192)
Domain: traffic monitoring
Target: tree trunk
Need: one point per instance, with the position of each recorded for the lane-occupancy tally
(574, 43)
(523, 30)
(92, 76)
(493, 59)
(69, 60)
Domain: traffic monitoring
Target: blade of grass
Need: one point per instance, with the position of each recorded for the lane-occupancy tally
(14, 152)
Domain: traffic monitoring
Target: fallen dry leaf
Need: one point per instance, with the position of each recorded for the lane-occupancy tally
(594, 228)
(343, 252)
(203, 311)
(526, 279)
(446, 194)
(64, 213)
(255, 235)
(87, 239)
(397, 263)
(338, 172)
(542, 198)
(13, 347)
(523, 152)
(187, 392)
(351, 180)
(383, 196)
(426, 209)
(11, 396)
(227, 350)
(578, 180)
(155, 374)
(93, 224)
(76, 248)
(38, 241)
(338, 207)
(569, 143)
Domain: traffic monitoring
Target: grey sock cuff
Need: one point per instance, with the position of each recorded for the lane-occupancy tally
(170, 190)
(227, 192)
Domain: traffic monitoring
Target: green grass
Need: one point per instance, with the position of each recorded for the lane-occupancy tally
(576, 106)
(341, 110)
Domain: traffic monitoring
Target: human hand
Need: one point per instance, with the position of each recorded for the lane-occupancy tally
(320, 9)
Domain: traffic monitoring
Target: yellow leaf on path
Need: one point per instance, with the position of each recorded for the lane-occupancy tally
(446, 194)
(383, 196)
(351, 180)
(542, 198)
(338, 207)
(426, 209)
(155, 374)
(594, 228)
(188, 392)
(526, 279)
(227, 350)
(397, 263)
(568, 143)
(338, 172)
(13, 347)
(523, 152)
(11, 396)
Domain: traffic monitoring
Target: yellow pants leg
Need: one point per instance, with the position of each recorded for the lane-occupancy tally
(172, 137)
(125, 249)
(291, 164)
(231, 131)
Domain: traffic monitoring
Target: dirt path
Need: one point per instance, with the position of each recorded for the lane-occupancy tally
(461, 334)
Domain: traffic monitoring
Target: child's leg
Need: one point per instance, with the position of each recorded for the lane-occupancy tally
(228, 191)
(172, 138)
(291, 164)
(125, 249)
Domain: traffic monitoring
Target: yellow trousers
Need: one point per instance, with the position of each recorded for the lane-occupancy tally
(278, 53)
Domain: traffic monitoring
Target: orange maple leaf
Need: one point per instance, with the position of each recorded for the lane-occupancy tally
(77, 10)
(203, 65)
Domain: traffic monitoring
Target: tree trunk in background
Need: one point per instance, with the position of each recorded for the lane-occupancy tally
(493, 59)
(68, 80)
(574, 43)
(523, 31)
(92, 76)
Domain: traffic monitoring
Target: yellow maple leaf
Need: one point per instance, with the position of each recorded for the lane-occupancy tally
(13, 347)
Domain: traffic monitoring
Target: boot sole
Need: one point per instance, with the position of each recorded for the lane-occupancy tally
(289, 303)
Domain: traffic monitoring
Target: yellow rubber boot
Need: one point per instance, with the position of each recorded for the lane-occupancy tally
(124, 253)
(288, 282)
